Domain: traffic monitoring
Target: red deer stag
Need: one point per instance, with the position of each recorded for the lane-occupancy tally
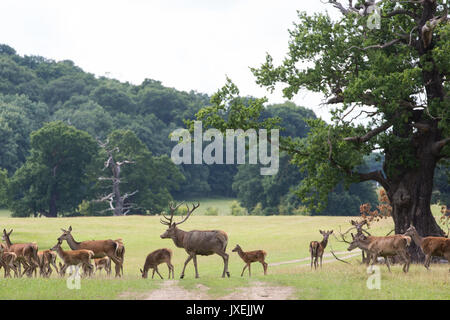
(100, 248)
(384, 247)
(26, 252)
(154, 259)
(431, 246)
(251, 256)
(196, 242)
(317, 248)
(74, 258)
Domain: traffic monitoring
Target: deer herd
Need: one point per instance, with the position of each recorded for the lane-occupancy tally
(95, 255)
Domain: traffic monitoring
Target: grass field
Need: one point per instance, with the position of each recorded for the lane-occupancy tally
(283, 237)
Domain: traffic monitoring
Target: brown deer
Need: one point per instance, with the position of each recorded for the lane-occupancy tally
(251, 256)
(431, 246)
(120, 253)
(8, 261)
(47, 258)
(74, 258)
(100, 248)
(154, 259)
(196, 242)
(385, 247)
(103, 263)
(26, 252)
(317, 248)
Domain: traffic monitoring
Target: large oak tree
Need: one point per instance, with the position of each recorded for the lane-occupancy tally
(386, 85)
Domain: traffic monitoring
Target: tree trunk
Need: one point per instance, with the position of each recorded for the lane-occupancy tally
(53, 210)
(410, 191)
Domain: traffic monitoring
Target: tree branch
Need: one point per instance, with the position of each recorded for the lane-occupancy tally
(437, 146)
(369, 135)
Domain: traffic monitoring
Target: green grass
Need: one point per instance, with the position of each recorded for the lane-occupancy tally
(283, 237)
(222, 204)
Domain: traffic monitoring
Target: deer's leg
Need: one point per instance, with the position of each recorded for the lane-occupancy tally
(387, 263)
(118, 263)
(185, 263)
(170, 266)
(321, 260)
(264, 267)
(249, 272)
(195, 266)
(156, 268)
(427, 261)
(242, 273)
(153, 273)
(225, 257)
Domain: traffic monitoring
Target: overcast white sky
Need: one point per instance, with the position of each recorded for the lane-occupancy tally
(188, 45)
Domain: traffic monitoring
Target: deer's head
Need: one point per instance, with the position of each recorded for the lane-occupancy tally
(237, 248)
(144, 273)
(66, 234)
(172, 226)
(325, 234)
(410, 231)
(356, 241)
(56, 246)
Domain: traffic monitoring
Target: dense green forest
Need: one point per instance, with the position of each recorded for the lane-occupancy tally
(63, 129)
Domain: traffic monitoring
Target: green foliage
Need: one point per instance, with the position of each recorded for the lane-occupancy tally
(211, 211)
(237, 210)
(53, 178)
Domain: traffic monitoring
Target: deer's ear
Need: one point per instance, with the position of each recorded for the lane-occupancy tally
(10, 232)
(70, 228)
(331, 231)
(321, 232)
(141, 270)
(353, 237)
(352, 222)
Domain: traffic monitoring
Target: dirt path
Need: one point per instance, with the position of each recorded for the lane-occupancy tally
(257, 290)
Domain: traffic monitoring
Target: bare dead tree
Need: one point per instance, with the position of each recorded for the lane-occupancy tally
(117, 202)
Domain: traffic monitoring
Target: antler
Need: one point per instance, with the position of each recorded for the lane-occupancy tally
(172, 211)
(189, 212)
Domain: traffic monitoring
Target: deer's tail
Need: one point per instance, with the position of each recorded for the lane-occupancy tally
(313, 246)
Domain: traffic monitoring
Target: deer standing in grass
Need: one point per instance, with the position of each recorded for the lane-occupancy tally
(317, 248)
(103, 263)
(47, 258)
(100, 248)
(154, 259)
(251, 256)
(196, 242)
(385, 247)
(26, 252)
(74, 258)
(8, 261)
(431, 246)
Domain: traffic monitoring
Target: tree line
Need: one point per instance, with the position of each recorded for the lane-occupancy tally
(55, 118)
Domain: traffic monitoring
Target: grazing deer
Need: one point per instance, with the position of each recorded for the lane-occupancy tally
(431, 246)
(251, 256)
(74, 258)
(8, 261)
(317, 248)
(196, 242)
(103, 263)
(26, 252)
(384, 247)
(154, 259)
(100, 248)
